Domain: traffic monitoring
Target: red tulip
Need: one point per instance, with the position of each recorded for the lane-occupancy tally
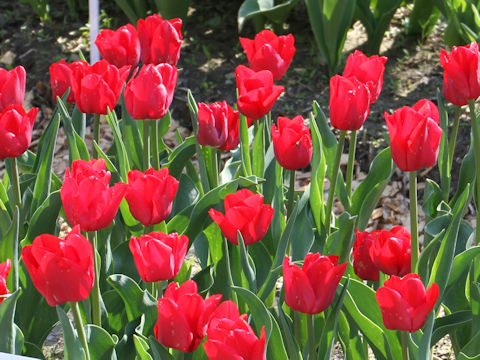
(61, 269)
(363, 265)
(256, 92)
(86, 197)
(150, 195)
(269, 52)
(404, 303)
(367, 70)
(349, 103)
(244, 211)
(4, 270)
(391, 251)
(218, 125)
(311, 289)
(160, 40)
(158, 256)
(183, 316)
(415, 135)
(230, 336)
(16, 127)
(61, 79)
(150, 93)
(12, 87)
(120, 47)
(292, 142)
(97, 88)
(461, 74)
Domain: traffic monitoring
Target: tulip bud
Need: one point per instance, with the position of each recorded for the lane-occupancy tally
(120, 47)
(16, 126)
(12, 87)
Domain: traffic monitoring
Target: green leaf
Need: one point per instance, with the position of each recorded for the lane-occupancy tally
(73, 152)
(425, 343)
(341, 241)
(426, 255)
(8, 329)
(276, 347)
(72, 345)
(248, 268)
(258, 151)
(121, 153)
(100, 343)
(245, 147)
(462, 262)
(44, 219)
(466, 177)
(179, 157)
(275, 11)
(158, 350)
(141, 346)
(446, 324)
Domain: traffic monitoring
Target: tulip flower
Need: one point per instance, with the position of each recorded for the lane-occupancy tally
(16, 126)
(461, 74)
(230, 336)
(218, 125)
(404, 303)
(120, 47)
(391, 251)
(61, 269)
(363, 265)
(183, 316)
(349, 103)
(244, 211)
(268, 51)
(86, 197)
(158, 256)
(292, 142)
(415, 135)
(61, 79)
(160, 40)
(367, 70)
(256, 92)
(311, 288)
(150, 195)
(12, 87)
(98, 87)
(4, 271)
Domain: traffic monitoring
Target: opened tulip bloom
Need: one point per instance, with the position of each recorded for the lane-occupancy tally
(160, 40)
(461, 74)
(230, 336)
(311, 288)
(61, 269)
(256, 92)
(183, 316)
(16, 126)
(363, 266)
(87, 199)
(415, 135)
(292, 142)
(150, 195)
(158, 256)
(367, 70)
(4, 271)
(404, 303)
(12, 87)
(268, 51)
(244, 212)
(120, 47)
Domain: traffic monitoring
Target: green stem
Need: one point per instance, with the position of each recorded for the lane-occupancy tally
(405, 355)
(351, 159)
(17, 199)
(146, 146)
(311, 337)
(453, 137)
(214, 162)
(333, 180)
(476, 147)
(414, 219)
(154, 144)
(291, 193)
(95, 294)
(77, 318)
(297, 327)
(153, 289)
(180, 355)
(96, 133)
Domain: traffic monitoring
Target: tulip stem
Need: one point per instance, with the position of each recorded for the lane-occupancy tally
(96, 133)
(146, 146)
(12, 170)
(214, 162)
(77, 318)
(311, 336)
(476, 147)
(154, 144)
(413, 220)
(453, 137)
(95, 295)
(333, 180)
(351, 159)
(180, 355)
(291, 193)
(405, 355)
(153, 289)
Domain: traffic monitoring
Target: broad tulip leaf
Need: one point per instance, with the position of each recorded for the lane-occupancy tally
(179, 157)
(73, 152)
(131, 137)
(277, 13)
(467, 176)
(427, 254)
(187, 194)
(443, 156)
(424, 352)
(462, 263)
(286, 327)
(44, 219)
(247, 266)
(116, 314)
(432, 197)
(276, 347)
(120, 152)
(258, 158)
(10, 332)
(262, 260)
(446, 324)
(72, 345)
(141, 346)
(159, 351)
(471, 350)
(204, 280)
(100, 343)
(245, 146)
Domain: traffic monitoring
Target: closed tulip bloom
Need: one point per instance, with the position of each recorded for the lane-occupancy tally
(160, 40)
(233, 123)
(61, 269)
(363, 265)
(149, 94)
(367, 70)
(61, 79)
(391, 251)
(404, 303)
(256, 92)
(292, 142)
(158, 256)
(150, 195)
(98, 87)
(268, 51)
(244, 211)
(349, 103)
(120, 47)
(415, 135)
(87, 199)
(16, 126)
(183, 316)
(4, 271)
(461, 74)
(311, 288)
(230, 336)
(218, 125)
(12, 87)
